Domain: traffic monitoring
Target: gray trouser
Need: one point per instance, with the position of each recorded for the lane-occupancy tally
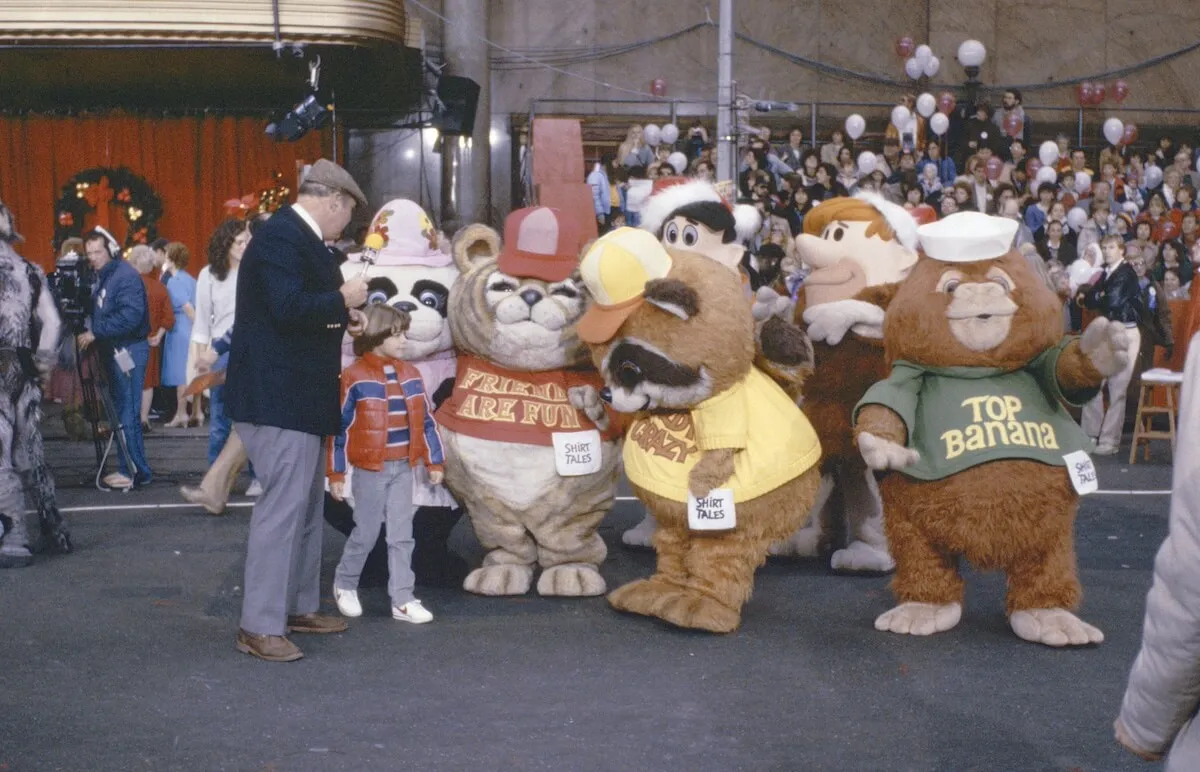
(1107, 425)
(381, 497)
(283, 553)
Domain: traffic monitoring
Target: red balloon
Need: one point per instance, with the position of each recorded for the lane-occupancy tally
(1120, 91)
(946, 103)
(994, 167)
(924, 214)
(1013, 125)
(905, 47)
(1130, 135)
(1032, 166)
(658, 87)
(1085, 92)
(1098, 93)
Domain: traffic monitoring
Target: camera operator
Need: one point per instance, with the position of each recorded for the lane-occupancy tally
(120, 324)
(29, 332)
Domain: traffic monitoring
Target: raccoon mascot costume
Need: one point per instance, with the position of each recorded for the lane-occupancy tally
(29, 331)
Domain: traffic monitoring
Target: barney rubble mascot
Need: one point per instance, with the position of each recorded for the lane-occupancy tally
(987, 464)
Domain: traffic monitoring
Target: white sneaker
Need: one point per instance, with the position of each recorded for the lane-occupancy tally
(413, 612)
(347, 602)
(255, 488)
(1107, 450)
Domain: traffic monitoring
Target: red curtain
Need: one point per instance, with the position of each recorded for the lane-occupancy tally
(194, 165)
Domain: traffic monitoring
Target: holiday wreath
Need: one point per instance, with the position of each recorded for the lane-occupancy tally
(94, 190)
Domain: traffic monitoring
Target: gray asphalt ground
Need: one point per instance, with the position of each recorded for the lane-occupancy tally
(121, 657)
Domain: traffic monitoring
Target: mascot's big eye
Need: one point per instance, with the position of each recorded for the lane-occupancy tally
(502, 286)
(671, 234)
(1003, 282)
(428, 298)
(629, 374)
(690, 236)
(376, 297)
(838, 233)
(951, 286)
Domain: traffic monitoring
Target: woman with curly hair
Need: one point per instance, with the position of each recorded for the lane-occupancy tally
(216, 292)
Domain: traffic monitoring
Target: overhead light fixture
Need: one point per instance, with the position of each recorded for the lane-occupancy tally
(311, 113)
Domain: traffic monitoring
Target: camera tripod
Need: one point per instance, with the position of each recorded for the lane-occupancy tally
(96, 395)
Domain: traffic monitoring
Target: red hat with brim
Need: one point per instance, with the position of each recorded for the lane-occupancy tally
(539, 243)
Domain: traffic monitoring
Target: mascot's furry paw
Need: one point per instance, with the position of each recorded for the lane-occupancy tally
(860, 557)
(1106, 345)
(642, 534)
(574, 580)
(919, 618)
(881, 454)
(769, 303)
(698, 611)
(643, 596)
(805, 543)
(1053, 627)
(587, 399)
(503, 579)
(829, 322)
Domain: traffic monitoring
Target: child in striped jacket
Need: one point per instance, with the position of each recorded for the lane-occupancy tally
(387, 428)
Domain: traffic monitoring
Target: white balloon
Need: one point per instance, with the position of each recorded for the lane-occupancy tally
(866, 162)
(913, 68)
(1047, 174)
(855, 126)
(932, 66)
(939, 124)
(926, 105)
(1076, 218)
(1113, 129)
(900, 117)
(669, 134)
(1083, 182)
(923, 54)
(678, 161)
(652, 134)
(1154, 177)
(1048, 153)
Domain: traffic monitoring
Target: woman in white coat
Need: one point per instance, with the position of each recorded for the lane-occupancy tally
(1158, 714)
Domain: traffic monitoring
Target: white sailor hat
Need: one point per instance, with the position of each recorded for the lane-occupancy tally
(966, 237)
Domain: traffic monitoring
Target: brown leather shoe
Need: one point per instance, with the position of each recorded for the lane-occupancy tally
(272, 648)
(316, 623)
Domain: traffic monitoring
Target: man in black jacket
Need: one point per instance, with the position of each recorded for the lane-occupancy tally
(1117, 296)
(283, 391)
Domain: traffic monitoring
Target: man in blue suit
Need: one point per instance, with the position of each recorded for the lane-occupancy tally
(282, 393)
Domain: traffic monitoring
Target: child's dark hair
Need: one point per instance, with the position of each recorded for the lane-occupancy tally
(383, 321)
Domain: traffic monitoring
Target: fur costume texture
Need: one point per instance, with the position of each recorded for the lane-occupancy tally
(1012, 514)
(413, 273)
(858, 248)
(29, 335)
(693, 218)
(688, 347)
(523, 374)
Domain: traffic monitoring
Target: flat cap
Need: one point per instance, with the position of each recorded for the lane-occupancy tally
(331, 175)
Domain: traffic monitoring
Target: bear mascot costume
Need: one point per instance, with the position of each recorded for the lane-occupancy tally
(406, 267)
(531, 450)
(856, 248)
(988, 465)
(718, 453)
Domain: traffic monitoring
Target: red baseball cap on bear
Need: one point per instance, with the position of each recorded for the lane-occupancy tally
(539, 243)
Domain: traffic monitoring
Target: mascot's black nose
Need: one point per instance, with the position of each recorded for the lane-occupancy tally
(606, 394)
(531, 297)
(406, 306)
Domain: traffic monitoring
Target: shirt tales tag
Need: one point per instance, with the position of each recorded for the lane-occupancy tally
(1083, 472)
(576, 453)
(714, 512)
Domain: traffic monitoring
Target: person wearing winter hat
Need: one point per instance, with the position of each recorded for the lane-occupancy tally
(29, 331)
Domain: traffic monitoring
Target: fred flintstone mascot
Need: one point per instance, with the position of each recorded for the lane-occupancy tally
(29, 331)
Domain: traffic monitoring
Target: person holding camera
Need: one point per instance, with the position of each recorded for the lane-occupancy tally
(120, 324)
(29, 333)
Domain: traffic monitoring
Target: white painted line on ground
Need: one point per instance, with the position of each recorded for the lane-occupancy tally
(247, 504)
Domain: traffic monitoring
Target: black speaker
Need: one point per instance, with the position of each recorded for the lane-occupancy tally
(461, 97)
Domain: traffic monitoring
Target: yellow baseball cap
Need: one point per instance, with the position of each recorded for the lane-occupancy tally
(615, 271)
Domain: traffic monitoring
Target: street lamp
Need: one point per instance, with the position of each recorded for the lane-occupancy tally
(971, 54)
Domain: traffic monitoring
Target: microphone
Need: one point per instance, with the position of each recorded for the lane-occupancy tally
(371, 246)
